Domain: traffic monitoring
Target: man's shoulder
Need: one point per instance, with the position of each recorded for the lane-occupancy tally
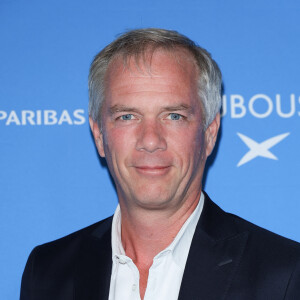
(221, 224)
(264, 237)
(261, 255)
(68, 247)
(52, 267)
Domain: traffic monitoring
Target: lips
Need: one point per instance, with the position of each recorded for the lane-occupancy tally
(153, 170)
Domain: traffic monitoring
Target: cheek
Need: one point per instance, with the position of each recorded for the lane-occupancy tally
(191, 140)
(199, 143)
(117, 143)
(188, 149)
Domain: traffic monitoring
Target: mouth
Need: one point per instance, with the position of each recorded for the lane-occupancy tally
(153, 170)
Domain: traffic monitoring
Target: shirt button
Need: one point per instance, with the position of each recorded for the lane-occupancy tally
(134, 287)
(122, 261)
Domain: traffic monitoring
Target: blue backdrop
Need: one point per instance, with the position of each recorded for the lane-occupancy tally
(51, 180)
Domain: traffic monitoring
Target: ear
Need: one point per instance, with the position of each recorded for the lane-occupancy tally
(98, 136)
(211, 134)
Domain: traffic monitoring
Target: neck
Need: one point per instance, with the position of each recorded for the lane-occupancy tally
(145, 233)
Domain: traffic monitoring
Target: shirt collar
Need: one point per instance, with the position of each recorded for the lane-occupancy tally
(117, 247)
(180, 245)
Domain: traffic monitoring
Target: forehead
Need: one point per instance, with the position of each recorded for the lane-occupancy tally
(161, 70)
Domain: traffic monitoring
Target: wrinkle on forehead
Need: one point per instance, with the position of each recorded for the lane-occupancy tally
(141, 64)
(163, 77)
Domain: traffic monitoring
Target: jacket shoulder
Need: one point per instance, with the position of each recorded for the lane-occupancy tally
(220, 224)
(269, 266)
(263, 235)
(74, 239)
(59, 258)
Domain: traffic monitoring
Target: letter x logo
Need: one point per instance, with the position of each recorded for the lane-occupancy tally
(260, 149)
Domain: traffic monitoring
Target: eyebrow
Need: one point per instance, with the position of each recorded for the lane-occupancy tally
(122, 108)
(177, 107)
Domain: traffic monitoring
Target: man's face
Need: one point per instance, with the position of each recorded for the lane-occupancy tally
(152, 131)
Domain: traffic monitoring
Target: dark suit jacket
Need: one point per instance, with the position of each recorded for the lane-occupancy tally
(229, 258)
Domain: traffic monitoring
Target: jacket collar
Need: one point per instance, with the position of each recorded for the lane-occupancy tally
(214, 256)
(95, 264)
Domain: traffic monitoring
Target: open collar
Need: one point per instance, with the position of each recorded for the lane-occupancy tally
(213, 259)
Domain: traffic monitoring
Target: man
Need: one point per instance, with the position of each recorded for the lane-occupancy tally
(154, 114)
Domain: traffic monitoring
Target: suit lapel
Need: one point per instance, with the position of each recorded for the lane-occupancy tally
(214, 256)
(94, 266)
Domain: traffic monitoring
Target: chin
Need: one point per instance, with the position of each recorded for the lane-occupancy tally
(153, 202)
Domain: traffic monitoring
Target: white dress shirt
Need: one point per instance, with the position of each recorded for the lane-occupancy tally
(165, 274)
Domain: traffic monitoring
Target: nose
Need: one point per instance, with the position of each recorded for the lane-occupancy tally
(150, 137)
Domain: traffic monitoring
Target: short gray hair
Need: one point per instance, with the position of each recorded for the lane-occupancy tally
(136, 43)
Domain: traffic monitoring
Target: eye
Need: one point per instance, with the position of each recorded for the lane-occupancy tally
(127, 117)
(175, 116)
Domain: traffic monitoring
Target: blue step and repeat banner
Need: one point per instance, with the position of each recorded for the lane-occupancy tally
(51, 180)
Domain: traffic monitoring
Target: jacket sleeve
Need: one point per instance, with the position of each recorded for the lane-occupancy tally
(27, 278)
(293, 289)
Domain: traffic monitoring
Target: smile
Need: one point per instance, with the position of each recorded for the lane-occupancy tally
(153, 170)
